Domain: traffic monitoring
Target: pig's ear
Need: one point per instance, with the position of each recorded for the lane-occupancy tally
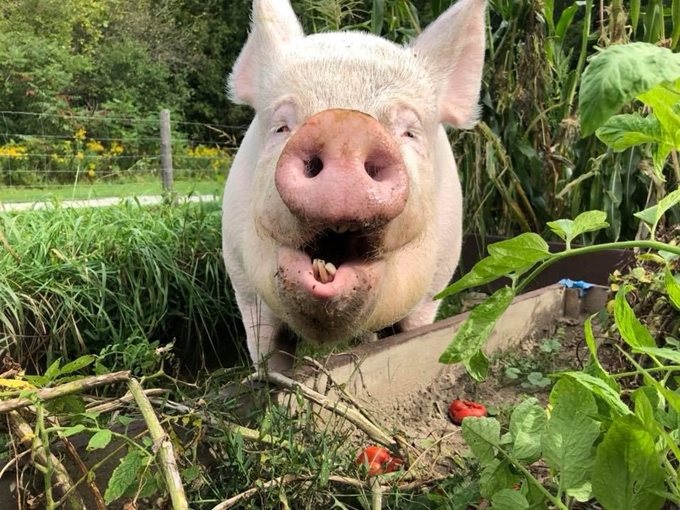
(453, 47)
(274, 27)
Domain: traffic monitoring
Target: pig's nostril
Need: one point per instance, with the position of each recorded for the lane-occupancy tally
(313, 167)
(372, 170)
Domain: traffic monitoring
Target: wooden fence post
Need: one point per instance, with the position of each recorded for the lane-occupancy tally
(166, 151)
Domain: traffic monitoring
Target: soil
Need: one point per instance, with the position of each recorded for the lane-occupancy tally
(422, 417)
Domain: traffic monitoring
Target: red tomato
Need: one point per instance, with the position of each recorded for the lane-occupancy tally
(460, 409)
(394, 464)
(378, 460)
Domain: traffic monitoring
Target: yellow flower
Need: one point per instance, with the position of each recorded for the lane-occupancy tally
(94, 146)
(116, 148)
(13, 151)
(80, 155)
(80, 134)
(90, 172)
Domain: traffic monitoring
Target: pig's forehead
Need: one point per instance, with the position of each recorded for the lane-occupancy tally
(353, 69)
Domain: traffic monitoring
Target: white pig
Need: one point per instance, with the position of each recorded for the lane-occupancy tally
(342, 212)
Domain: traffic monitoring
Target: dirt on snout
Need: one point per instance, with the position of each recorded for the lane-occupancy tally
(422, 417)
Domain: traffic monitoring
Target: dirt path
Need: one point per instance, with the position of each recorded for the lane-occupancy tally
(101, 202)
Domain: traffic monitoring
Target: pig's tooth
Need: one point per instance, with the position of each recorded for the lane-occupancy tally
(334, 229)
(330, 269)
(323, 274)
(354, 228)
(315, 269)
(342, 228)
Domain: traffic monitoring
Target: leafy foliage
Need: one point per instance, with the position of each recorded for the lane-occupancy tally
(597, 445)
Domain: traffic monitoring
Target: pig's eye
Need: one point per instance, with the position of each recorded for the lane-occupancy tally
(409, 134)
(282, 129)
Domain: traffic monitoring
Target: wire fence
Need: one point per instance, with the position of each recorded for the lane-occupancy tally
(45, 150)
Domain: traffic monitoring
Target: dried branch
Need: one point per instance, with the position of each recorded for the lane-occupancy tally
(73, 453)
(354, 417)
(166, 452)
(112, 405)
(225, 505)
(64, 484)
(78, 386)
(245, 432)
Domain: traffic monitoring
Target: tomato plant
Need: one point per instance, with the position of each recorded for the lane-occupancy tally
(620, 452)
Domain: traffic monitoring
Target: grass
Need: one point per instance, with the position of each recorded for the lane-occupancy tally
(105, 190)
(114, 280)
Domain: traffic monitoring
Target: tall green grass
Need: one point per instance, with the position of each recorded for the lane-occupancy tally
(120, 280)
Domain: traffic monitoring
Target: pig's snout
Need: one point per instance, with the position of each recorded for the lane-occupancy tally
(342, 168)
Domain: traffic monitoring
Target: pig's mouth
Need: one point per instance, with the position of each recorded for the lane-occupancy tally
(335, 246)
(339, 262)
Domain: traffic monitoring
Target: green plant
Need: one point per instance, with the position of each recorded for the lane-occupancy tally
(615, 77)
(115, 279)
(531, 371)
(597, 444)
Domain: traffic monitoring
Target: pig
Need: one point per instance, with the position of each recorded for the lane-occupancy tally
(342, 211)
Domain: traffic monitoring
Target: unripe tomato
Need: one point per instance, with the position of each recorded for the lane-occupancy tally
(460, 409)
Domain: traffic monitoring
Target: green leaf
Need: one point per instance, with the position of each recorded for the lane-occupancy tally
(644, 410)
(508, 499)
(476, 329)
(562, 228)
(602, 390)
(627, 470)
(665, 204)
(623, 131)
(672, 288)
(538, 379)
(659, 156)
(588, 221)
(78, 364)
(53, 370)
(496, 476)
(512, 372)
(594, 368)
(506, 257)
(477, 366)
(527, 424)
(660, 352)
(124, 475)
(630, 328)
(635, 14)
(99, 440)
(672, 397)
(664, 101)
(76, 429)
(564, 22)
(647, 215)
(582, 493)
(523, 250)
(570, 433)
(617, 75)
(482, 435)
(378, 16)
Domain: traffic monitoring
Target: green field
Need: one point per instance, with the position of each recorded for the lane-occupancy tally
(118, 189)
